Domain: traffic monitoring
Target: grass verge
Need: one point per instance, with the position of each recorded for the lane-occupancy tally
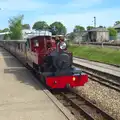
(105, 55)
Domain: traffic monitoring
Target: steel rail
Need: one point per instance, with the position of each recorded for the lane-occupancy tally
(83, 106)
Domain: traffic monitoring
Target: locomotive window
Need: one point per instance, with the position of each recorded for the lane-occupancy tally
(36, 43)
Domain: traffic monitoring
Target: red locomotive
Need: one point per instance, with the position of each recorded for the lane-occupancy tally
(50, 59)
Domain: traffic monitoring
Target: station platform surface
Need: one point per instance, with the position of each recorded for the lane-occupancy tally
(98, 66)
(21, 98)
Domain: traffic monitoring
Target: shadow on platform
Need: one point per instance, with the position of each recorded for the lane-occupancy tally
(21, 73)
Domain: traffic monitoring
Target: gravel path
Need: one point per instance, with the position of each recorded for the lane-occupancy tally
(108, 99)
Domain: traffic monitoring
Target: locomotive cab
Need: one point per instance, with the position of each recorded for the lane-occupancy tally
(37, 47)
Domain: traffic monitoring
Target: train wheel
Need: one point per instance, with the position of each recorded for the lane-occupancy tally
(68, 86)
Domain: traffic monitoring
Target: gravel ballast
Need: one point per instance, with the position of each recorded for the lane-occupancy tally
(106, 98)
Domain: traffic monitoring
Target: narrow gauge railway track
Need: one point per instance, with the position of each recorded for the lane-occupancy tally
(102, 78)
(82, 108)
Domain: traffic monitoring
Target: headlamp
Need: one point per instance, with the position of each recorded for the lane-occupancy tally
(63, 45)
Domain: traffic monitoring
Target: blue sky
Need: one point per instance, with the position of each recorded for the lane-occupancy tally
(69, 12)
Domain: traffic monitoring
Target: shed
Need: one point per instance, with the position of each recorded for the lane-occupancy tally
(98, 35)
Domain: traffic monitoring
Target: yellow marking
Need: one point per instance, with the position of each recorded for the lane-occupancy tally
(2, 57)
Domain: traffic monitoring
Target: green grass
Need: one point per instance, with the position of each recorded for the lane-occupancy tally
(105, 55)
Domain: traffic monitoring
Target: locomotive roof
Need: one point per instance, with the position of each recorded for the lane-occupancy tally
(39, 33)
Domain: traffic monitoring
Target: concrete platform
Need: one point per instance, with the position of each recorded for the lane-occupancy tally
(22, 98)
(98, 66)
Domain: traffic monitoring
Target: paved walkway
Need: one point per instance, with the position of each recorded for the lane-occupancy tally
(98, 66)
(20, 96)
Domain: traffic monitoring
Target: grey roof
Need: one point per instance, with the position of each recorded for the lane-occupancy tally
(99, 29)
(117, 26)
(3, 33)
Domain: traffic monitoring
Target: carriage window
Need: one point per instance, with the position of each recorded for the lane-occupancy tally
(36, 43)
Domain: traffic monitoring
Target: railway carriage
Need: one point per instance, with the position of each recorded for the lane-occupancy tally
(50, 60)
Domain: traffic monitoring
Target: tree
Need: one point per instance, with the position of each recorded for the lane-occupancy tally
(40, 25)
(6, 37)
(5, 30)
(89, 27)
(117, 22)
(101, 26)
(26, 26)
(71, 36)
(57, 28)
(112, 31)
(78, 28)
(15, 26)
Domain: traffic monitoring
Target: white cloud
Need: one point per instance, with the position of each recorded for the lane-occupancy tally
(33, 5)
(21, 5)
(105, 17)
(83, 3)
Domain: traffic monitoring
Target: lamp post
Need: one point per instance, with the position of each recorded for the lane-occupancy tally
(95, 22)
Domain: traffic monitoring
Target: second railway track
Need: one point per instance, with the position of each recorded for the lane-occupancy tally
(102, 78)
(82, 108)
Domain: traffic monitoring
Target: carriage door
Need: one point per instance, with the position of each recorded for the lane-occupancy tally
(28, 52)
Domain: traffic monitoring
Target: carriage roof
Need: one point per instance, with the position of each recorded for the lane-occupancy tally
(16, 41)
